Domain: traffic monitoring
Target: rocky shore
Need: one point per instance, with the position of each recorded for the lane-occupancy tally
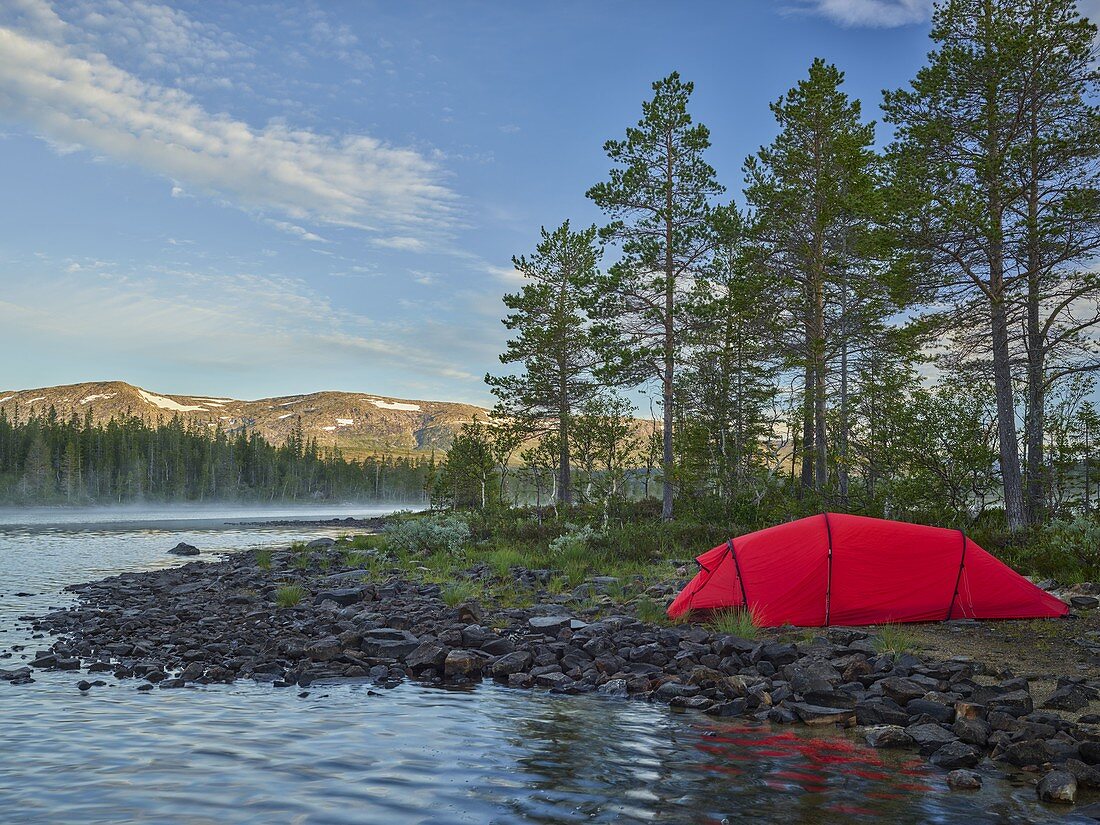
(215, 622)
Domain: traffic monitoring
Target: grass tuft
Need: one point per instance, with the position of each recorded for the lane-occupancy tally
(736, 622)
(650, 611)
(458, 592)
(894, 639)
(290, 595)
(263, 558)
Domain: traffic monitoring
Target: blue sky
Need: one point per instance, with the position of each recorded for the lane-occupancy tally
(255, 199)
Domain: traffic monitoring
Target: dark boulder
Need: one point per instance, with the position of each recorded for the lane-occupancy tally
(955, 755)
(184, 549)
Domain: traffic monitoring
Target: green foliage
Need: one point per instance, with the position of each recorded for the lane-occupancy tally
(467, 479)
(1067, 550)
(301, 560)
(263, 558)
(290, 595)
(423, 536)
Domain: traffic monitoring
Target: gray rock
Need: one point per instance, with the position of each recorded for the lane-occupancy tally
(548, 624)
(613, 687)
(887, 736)
(732, 707)
(1026, 752)
(1084, 602)
(1070, 697)
(343, 596)
(511, 663)
(934, 710)
(1058, 786)
(184, 549)
(324, 650)
(930, 737)
(964, 780)
(901, 689)
(463, 664)
(818, 715)
(956, 755)
(323, 541)
(428, 655)
(388, 643)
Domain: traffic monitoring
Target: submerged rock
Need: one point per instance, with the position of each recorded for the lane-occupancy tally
(964, 780)
(184, 549)
(1058, 786)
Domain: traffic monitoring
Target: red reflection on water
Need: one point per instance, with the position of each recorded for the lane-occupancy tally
(850, 810)
(818, 757)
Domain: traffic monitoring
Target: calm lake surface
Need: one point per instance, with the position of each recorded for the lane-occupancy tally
(249, 752)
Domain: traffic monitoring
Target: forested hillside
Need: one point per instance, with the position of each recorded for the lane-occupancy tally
(47, 459)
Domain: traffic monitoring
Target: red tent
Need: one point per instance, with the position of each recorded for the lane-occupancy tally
(837, 569)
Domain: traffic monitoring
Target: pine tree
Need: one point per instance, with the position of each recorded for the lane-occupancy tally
(554, 343)
(660, 199)
(814, 192)
(960, 129)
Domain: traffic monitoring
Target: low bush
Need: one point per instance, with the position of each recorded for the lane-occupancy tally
(422, 536)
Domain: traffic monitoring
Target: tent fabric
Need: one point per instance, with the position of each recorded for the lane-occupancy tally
(837, 569)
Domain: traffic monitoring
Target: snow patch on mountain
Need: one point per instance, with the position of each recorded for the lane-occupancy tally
(167, 403)
(395, 405)
(88, 399)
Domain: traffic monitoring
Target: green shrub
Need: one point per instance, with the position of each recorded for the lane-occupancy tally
(301, 561)
(290, 595)
(263, 558)
(448, 534)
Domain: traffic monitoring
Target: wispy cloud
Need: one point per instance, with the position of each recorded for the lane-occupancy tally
(244, 320)
(51, 79)
(869, 13)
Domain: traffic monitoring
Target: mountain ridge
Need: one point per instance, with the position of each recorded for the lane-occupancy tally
(358, 423)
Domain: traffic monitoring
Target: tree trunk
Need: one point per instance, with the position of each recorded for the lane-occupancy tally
(669, 342)
(1034, 423)
(565, 470)
(1006, 418)
(807, 476)
(821, 472)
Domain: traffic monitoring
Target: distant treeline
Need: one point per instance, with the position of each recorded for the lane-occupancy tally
(48, 459)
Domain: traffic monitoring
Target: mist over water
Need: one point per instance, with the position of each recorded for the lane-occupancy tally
(350, 752)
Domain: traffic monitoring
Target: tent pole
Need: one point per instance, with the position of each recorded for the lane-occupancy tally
(829, 575)
(958, 579)
(740, 578)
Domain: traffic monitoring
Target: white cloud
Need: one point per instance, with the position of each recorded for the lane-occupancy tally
(295, 230)
(870, 13)
(241, 320)
(73, 94)
(509, 274)
(402, 242)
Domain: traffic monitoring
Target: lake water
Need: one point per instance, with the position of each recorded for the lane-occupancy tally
(352, 753)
